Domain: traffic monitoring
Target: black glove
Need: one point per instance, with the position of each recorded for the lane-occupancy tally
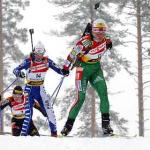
(21, 74)
(109, 45)
(65, 72)
(0, 97)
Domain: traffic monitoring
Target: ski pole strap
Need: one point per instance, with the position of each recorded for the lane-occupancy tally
(8, 86)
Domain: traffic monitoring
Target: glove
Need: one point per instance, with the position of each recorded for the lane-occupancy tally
(21, 74)
(109, 45)
(0, 97)
(65, 72)
(87, 43)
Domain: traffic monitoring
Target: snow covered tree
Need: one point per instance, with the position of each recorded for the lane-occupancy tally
(12, 33)
(137, 16)
(1, 63)
(11, 36)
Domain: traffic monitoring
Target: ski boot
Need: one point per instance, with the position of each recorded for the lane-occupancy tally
(68, 126)
(34, 132)
(54, 134)
(106, 128)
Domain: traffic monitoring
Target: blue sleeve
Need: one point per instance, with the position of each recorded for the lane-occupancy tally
(25, 65)
(53, 66)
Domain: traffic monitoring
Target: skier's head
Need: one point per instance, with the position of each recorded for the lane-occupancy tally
(99, 28)
(39, 51)
(17, 93)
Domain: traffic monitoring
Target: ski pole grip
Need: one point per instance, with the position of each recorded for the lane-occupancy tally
(31, 31)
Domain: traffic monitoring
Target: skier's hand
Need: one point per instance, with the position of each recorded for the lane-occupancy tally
(65, 72)
(109, 46)
(21, 74)
(0, 97)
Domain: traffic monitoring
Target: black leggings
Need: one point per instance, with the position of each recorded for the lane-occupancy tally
(16, 125)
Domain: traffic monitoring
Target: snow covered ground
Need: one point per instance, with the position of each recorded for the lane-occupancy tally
(7, 142)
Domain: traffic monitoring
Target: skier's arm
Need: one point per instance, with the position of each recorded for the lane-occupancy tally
(37, 106)
(4, 103)
(109, 44)
(80, 48)
(71, 58)
(56, 68)
(18, 70)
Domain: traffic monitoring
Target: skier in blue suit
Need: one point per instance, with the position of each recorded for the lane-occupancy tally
(36, 67)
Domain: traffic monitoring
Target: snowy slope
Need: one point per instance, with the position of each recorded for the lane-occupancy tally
(7, 142)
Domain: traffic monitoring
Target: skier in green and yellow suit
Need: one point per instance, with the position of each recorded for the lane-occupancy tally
(87, 55)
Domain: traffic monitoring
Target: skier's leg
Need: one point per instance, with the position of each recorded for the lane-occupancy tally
(46, 103)
(16, 125)
(99, 84)
(33, 130)
(28, 111)
(81, 85)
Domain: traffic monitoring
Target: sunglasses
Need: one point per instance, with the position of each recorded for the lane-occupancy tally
(99, 30)
(17, 95)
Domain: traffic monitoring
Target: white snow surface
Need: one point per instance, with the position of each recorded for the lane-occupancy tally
(7, 142)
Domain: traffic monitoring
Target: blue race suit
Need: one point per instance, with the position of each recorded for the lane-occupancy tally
(35, 75)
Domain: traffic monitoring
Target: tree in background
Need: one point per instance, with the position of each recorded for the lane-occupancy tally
(12, 33)
(11, 36)
(137, 16)
(1, 64)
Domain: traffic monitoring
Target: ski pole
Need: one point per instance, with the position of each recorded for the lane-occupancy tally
(31, 33)
(8, 87)
(57, 90)
(57, 86)
(97, 5)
